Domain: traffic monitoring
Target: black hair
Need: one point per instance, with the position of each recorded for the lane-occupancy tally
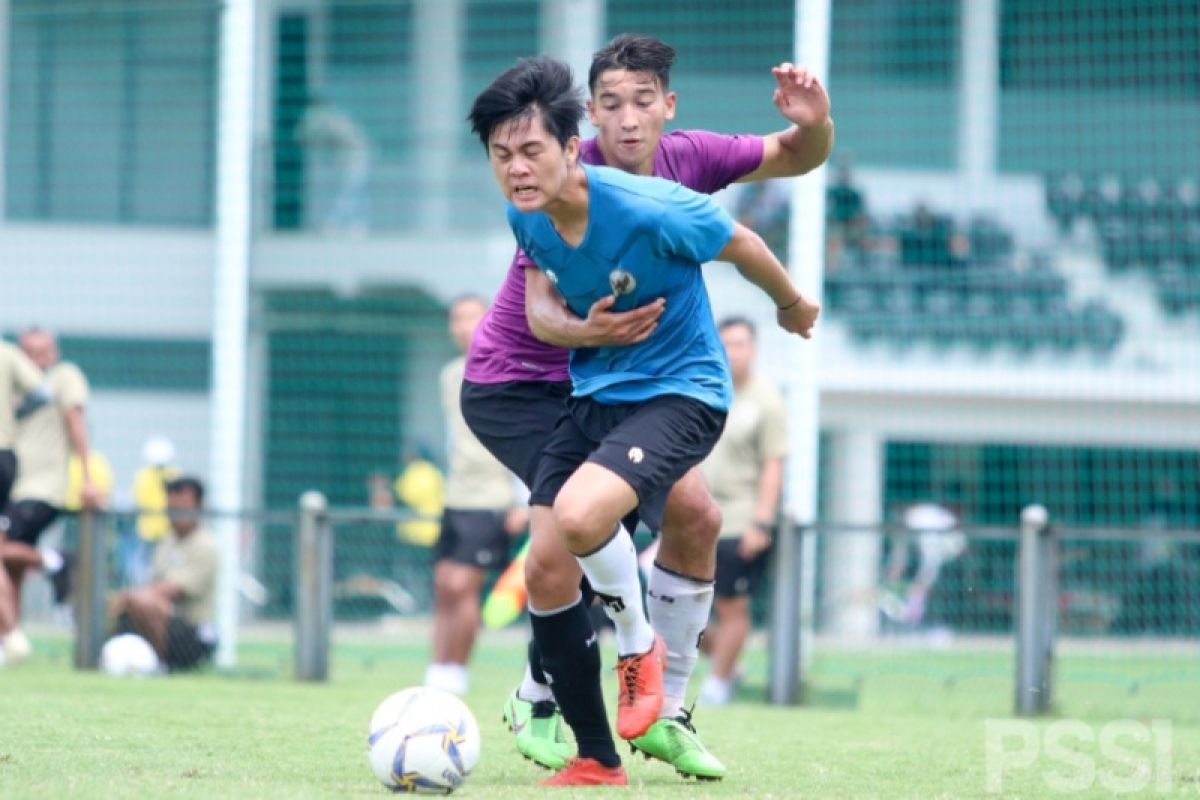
(733, 322)
(635, 52)
(535, 85)
(186, 483)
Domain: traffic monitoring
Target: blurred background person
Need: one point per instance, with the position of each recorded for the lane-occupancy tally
(46, 439)
(19, 377)
(932, 529)
(480, 517)
(150, 499)
(745, 475)
(174, 610)
(337, 143)
(421, 487)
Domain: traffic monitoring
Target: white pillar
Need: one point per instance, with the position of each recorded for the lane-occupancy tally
(573, 30)
(851, 566)
(437, 46)
(806, 260)
(978, 99)
(230, 304)
(4, 101)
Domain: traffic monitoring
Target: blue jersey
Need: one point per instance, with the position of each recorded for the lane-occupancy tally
(646, 238)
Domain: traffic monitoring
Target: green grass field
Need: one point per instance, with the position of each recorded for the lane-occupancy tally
(898, 725)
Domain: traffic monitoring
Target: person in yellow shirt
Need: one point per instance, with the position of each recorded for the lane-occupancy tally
(150, 499)
(421, 486)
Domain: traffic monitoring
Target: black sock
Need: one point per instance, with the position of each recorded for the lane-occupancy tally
(571, 659)
(535, 663)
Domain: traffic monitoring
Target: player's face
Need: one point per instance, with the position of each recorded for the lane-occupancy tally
(464, 319)
(630, 109)
(181, 510)
(530, 166)
(739, 347)
(41, 348)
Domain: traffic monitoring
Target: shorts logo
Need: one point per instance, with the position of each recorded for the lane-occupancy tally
(622, 282)
(483, 557)
(636, 455)
(553, 276)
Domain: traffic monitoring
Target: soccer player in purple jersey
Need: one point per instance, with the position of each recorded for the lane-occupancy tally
(516, 381)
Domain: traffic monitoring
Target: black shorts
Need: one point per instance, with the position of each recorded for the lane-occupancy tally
(186, 648)
(650, 445)
(8, 474)
(514, 420)
(26, 520)
(474, 538)
(737, 577)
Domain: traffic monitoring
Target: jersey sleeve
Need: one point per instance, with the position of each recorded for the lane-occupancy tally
(692, 227)
(522, 260)
(26, 375)
(722, 159)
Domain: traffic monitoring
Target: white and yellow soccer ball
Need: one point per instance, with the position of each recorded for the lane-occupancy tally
(129, 656)
(423, 740)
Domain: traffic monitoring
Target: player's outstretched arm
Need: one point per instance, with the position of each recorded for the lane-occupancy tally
(804, 145)
(553, 323)
(795, 313)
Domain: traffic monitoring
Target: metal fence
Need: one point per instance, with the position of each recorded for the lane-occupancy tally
(1031, 618)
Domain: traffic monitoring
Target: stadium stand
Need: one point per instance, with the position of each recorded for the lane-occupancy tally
(1141, 224)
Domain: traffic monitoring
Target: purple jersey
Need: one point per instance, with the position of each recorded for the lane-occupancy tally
(504, 349)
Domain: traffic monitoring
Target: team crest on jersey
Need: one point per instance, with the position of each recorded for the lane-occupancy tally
(622, 282)
(553, 276)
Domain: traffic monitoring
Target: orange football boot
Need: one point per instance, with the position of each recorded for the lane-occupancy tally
(587, 772)
(640, 698)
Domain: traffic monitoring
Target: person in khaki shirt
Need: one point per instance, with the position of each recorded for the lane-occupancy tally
(46, 437)
(21, 391)
(479, 518)
(745, 475)
(174, 611)
(19, 379)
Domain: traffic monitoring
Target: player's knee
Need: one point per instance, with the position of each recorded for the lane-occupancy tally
(576, 524)
(548, 583)
(452, 582)
(708, 524)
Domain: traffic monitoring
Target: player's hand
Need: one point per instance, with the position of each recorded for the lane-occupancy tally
(753, 541)
(799, 96)
(799, 317)
(603, 327)
(516, 521)
(92, 497)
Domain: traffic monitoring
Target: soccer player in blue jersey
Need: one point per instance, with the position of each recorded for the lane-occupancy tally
(641, 416)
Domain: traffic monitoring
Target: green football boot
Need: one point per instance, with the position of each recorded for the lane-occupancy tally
(675, 742)
(539, 730)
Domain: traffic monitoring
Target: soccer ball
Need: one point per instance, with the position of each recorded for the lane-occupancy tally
(128, 656)
(423, 740)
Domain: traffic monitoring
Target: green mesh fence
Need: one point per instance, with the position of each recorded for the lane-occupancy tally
(1012, 280)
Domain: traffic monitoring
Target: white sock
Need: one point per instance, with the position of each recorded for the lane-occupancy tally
(716, 691)
(531, 690)
(448, 677)
(679, 609)
(52, 561)
(613, 573)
